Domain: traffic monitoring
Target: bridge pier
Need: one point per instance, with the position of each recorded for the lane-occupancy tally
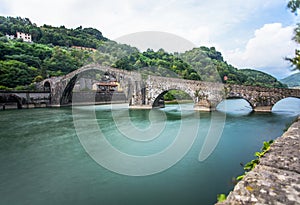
(141, 107)
(263, 109)
(204, 105)
(202, 108)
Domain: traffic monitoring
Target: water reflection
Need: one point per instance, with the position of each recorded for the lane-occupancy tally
(287, 105)
(43, 162)
(235, 107)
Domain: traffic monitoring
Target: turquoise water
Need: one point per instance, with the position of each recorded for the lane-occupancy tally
(43, 162)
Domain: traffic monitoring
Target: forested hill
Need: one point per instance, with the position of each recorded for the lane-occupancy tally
(46, 34)
(52, 53)
(201, 63)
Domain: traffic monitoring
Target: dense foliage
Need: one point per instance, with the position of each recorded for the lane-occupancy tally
(52, 54)
(24, 63)
(210, 65)
(57, 36)
(161, 62)
(258, 78)
(49, 60)
(109, 52)
(294, 5)
(14, 73)
(202, 63)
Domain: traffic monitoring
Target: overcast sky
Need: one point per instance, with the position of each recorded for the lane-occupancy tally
(249, 33)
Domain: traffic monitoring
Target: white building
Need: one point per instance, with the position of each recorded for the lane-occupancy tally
(10, 37)
(25, 36)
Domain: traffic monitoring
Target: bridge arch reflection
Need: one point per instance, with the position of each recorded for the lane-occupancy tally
(289, 104)
(236, 106)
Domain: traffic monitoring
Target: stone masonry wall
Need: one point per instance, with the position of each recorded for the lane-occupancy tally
(141, 91)
(276, 180)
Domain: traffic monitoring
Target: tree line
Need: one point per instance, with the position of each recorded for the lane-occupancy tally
(51, 54)
(203, 63)
(294, 6)
(56, 36)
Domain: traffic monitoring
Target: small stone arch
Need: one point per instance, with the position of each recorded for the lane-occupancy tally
(276, 102)
(282, 98)
(12, 98)
(47, 86)
(243, 98)
(241, 94)
(235, 98)
(158, 100)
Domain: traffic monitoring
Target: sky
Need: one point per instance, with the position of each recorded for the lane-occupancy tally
(250, 33)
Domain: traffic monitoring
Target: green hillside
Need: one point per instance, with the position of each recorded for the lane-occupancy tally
(292, 80)
(258, 78)
(53, 52)
(159, 63)
(46, 34)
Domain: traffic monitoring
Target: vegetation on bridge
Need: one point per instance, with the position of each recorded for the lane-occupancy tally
(53, 54)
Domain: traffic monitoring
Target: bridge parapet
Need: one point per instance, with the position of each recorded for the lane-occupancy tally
(23, 99)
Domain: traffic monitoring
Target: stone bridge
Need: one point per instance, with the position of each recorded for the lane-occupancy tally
(145, 91)
(23, 99)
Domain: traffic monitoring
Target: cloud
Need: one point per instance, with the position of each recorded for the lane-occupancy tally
(156, 40)
(223, 24)
(4, 7)
(198, 21)
(266, 50)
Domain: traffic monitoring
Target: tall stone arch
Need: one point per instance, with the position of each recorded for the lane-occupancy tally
(131, 83)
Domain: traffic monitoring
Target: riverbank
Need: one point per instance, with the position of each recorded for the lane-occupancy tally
(276, 179)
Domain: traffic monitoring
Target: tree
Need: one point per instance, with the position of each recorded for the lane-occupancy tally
(14, 73)
(62, 60)
(294, 5)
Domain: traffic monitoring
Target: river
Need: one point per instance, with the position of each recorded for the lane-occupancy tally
(43, 160)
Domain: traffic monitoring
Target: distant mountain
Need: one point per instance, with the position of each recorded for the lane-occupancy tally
(292, 80)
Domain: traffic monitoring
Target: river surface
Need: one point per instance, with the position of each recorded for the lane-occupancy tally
(43, 161)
